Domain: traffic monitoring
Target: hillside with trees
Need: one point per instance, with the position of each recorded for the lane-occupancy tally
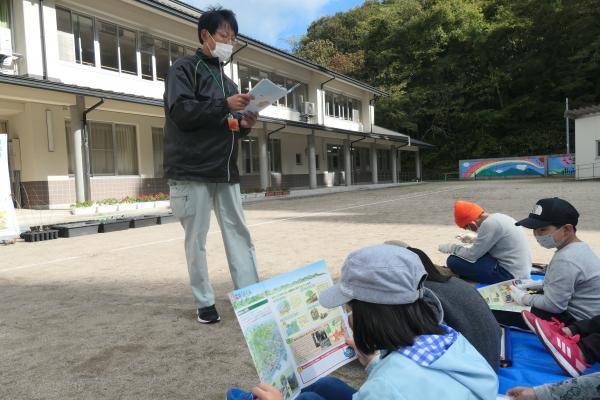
(477, 78)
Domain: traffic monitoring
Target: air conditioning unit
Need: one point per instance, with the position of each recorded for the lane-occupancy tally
(309, 109)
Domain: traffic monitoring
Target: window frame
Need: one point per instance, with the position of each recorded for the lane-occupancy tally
(341, 106)
(96, 21)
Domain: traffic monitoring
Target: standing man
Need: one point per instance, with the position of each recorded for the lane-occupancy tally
(499, 253)
(202, 126)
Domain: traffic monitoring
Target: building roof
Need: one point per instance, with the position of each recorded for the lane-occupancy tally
(583, 111)
(110, 95)
(190, 13)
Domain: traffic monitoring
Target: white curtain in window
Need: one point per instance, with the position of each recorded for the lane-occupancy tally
(66, 39)
(157, 146)
(126, 150)
(101, 148)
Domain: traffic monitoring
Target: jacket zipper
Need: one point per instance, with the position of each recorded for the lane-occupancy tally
(232, 134)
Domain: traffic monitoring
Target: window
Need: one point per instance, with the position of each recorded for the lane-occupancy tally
(298, 159)
(66, 41)
(250, 155)
(342, 107)
(113, 149)
(250, 76)
(70, 153)
(147, 55)
(157, 146)
(177, 51)
(109, 46)
(317, 161)
(126, 150)
(75, 37)
(102, 151)
(4, 15)
(84, 39)
(598, 148)
(128, 51)
(275, 155)
(162, 56)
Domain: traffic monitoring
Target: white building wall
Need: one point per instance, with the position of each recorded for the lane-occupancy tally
(587, 134)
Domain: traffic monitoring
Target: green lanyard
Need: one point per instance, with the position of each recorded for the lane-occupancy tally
(220, 84)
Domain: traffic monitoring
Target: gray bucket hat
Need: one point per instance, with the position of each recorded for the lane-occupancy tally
(381, 274)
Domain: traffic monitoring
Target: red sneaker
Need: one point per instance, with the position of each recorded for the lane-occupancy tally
(529, 319)
(563, 348)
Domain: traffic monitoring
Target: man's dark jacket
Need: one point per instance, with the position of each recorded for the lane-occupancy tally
(198, 145)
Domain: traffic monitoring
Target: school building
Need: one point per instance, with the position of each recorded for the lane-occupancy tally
(587, 141)
(81, 86)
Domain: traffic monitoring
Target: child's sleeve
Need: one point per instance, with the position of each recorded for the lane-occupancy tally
(586, 387)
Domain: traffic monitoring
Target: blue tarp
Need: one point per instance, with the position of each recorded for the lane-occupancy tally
(532, 364)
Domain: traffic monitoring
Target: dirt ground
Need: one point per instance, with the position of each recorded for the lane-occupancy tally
(111, 316)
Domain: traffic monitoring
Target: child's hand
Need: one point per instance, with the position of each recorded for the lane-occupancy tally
(267, 392)
(522, 393)
(364, 359)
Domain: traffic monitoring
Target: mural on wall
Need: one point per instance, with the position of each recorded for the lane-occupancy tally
(498, 167)
(563, 164)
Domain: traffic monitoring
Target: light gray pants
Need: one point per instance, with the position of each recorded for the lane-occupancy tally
(191, 203)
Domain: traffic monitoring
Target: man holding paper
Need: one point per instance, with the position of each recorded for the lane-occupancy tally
(203, 123)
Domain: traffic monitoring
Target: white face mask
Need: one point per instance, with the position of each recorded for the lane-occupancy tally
(547, 241)
(222, 51)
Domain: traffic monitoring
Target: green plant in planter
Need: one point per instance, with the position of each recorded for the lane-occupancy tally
(161, 196)
(143, 198)
(83, 204)
(128, 199)
(108, 202)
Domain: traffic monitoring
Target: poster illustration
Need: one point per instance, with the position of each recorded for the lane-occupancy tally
(293, 341)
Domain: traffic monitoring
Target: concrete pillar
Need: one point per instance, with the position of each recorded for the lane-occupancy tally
(348, 162)
(394, 162)
(81, 177)
(418, 165)
(263, 160)
(312, 162)
(373, 157)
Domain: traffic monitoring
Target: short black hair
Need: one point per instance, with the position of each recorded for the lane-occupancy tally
(433, 273)
(213, 18)
(391, 327)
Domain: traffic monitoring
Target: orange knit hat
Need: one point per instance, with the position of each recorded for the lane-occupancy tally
(466, 212)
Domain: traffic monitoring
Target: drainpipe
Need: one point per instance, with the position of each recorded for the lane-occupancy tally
(43, 39)
(86, 150)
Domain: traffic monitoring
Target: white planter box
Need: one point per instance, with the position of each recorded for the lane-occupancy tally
(83, 210)
(162, 203)
(107, 208)
(127, 206)
(145, 205)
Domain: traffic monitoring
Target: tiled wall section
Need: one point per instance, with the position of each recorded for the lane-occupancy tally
(45, 194)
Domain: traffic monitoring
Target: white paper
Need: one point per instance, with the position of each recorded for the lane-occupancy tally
(265, 93)
(498, 296)
(293, 341)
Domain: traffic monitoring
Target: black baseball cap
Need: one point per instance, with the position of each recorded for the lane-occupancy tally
(552, 211)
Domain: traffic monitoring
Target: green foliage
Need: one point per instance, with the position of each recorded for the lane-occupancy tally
(477, 78)
(83, 204)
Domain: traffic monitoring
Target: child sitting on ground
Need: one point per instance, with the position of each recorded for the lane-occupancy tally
(396, 322)
(572, 282)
